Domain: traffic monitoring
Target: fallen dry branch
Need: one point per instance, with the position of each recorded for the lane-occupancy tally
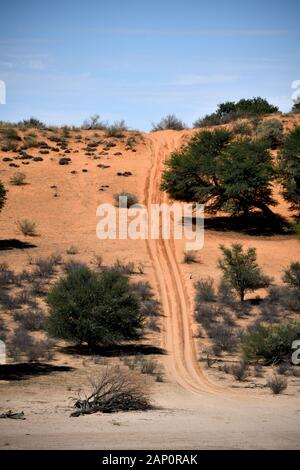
(114, 390)
(13, 415)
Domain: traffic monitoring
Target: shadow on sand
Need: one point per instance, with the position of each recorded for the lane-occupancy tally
(113, 350)
(256, 224)
(27, 370)
(14, 244)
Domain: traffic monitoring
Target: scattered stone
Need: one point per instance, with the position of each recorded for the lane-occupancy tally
(64, 161)
(125, 173)
(100, 165)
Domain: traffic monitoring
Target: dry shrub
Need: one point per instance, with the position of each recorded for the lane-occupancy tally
(23, 345)
(240, 371)
(190, 257)
(149, 366)
(205, 291)
(27, 227)
(18, 178)
(124, 268)
(277, 384)
(31, 320)
(113, 390)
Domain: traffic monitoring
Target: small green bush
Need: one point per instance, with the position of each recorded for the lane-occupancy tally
(96, 308)
(242, 128)
(272, 343)
(209, 120)
(32, 123)
(270, 131)
(291, 277)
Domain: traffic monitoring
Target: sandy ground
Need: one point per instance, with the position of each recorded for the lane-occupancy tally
(197, 409)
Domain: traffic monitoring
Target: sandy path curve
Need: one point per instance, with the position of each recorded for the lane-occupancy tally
(181, 364)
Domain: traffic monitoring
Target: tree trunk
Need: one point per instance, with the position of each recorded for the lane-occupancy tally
(265, 209)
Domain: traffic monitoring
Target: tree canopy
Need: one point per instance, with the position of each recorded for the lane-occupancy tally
(289, 159)
(227, 175)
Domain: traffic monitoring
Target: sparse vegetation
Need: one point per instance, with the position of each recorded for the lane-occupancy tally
(169, 122)
(22, 344)
(190, 257)
(94, 122)
(33, 320)
(240, 371)
(116, 129)
(230, 111)
(27, 227)
(124, 268)
(130, 200)
(205, 291)
(18, 178)
(270, 131)
(32, 123)
(72, 250)
(270, 343)
(277, 384)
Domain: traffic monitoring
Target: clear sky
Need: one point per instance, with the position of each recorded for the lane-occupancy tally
(65, 60)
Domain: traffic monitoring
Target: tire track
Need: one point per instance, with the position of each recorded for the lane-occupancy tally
(181, 364)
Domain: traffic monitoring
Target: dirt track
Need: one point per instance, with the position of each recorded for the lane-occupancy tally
(182, 365)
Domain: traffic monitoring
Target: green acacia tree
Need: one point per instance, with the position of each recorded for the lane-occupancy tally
(245, 172)
(289, 168)
(227, 175)
(241, 271)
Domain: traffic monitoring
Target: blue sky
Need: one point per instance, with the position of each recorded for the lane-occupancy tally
(65, 60)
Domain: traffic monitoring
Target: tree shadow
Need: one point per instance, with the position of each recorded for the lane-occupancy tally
(27, 370)
(254, 224)
(13, 243)
(113, 350)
